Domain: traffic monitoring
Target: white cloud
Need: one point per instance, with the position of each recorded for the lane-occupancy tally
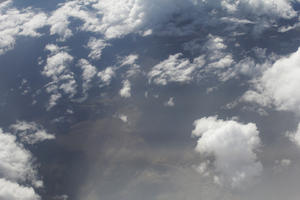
(57, 62)
(88, 73)
(170, 102)
(117, 18)
(53, 100)
(17, 165)
(129, 60)
(96, 46)
(279, 85)
(57, 68)
(219, 60)
(133, 70)
(60, 19)
(224, 62)
(14, 23)
(175, 69)
(126, 89)
(15, 161)
(123, 117)
(275, 9)
(232, 146)
(13, 191)
(107, 75)
(30, 132)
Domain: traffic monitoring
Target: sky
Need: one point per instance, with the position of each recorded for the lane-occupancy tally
(149, 99)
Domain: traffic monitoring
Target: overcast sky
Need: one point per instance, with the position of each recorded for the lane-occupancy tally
(150, 100)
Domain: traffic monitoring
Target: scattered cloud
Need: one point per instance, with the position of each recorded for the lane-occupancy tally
(15, 23)
(278, 86)
(16, 162)
(96, 46)
(13, 191)
(88, 73)
(30, 132)
(129, 60)
(175, 69)
(57, 69)
(106, 75)
(16, 166)
(123, 118)
(229, 147)
(126, 89)
(170, 102)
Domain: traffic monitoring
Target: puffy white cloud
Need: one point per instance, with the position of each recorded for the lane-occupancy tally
(14, 23)
(88, 73)
(57, 62)
(107, 75)
(96, 46)
(15, 161)
(175, 69)
(231, 146)
(30, 132)
(13, 191)
(279, 85)
(170, 102)
(60, 19)
(58, 70)
(126, 89)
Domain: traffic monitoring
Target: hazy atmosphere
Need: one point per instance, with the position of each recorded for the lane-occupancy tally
(150, 100)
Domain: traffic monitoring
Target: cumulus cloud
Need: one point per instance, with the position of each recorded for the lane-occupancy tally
(57, 68)
(175, 69)
(15, 23)
(229, 148)
(117, 18)
(96, 46)
(16, 165)
(16, 162)
(30, 132)
(107, 75)
(59, 20)
(130, 61)
(126, 89)
(13, 191)
(88, 73)
(219, 60)
(278, 86)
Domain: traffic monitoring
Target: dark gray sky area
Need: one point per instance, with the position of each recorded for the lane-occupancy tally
(149, 100)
